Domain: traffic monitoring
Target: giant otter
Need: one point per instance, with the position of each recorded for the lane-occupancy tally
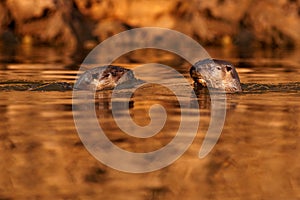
(103, 78)
(217, 74)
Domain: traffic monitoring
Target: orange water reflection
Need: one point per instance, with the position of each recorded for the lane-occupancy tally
(256, 157)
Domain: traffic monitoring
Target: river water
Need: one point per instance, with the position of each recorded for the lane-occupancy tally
(256, 156)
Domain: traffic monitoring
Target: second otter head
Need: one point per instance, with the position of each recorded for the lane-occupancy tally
(216, 74)
(103, 78)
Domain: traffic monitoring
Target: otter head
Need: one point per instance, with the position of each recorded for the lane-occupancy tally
(102, 78)
(216, 74)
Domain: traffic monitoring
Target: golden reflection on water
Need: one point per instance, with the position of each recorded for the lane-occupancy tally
(256, 157)
(144, 97)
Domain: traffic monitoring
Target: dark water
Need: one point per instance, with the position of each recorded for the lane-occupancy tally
(256, 157)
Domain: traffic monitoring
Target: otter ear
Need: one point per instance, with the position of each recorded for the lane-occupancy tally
(228, 68)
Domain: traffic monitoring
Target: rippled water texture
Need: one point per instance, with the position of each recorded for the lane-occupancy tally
(42, 157)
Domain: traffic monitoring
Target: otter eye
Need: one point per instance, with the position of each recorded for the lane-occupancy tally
(113, 73)
(228, 68)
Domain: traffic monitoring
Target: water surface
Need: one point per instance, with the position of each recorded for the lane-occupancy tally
(256, 157)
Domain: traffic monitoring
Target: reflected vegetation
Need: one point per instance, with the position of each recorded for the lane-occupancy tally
(256, 157)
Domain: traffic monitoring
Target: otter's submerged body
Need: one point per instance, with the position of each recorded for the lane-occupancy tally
(211, 73)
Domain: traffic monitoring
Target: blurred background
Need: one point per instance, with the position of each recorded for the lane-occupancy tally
(42, 45)
(80, 24)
